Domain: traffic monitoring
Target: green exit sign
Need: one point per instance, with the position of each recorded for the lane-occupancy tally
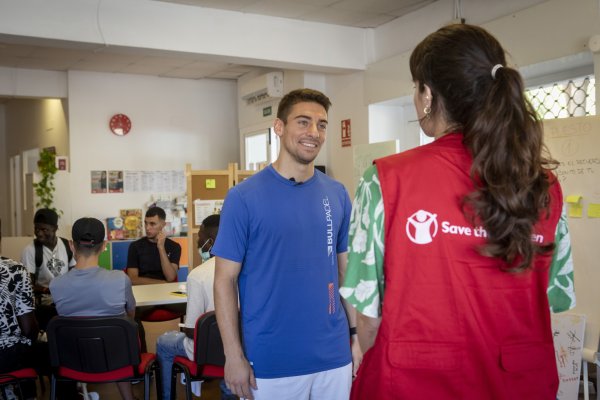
(267, 111)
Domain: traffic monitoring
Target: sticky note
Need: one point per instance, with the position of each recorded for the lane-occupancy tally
(575, 210)
(573, 198)
(211, 183)
(593, 210)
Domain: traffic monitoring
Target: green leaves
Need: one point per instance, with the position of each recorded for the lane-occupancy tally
(44, 189)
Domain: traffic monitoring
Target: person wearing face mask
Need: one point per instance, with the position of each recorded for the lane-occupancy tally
(200, 300)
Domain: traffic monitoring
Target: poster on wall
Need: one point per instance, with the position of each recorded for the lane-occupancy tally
(62, 163)
(205, 208)
(98, 181)
(346, 133)
(132, 223)
(115, 181)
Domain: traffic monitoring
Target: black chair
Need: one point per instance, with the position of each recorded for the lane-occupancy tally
(15, 378)
(209, 358)
(98, 350)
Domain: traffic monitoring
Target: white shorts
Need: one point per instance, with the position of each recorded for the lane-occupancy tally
(333, 384)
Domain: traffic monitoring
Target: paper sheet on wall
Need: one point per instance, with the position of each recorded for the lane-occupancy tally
(204, 208)
(568, 330)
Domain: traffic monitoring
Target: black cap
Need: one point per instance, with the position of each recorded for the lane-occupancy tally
(45, 216)
(88, 232)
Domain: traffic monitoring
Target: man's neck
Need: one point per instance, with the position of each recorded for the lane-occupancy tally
(52, 244)
(152, 240)
(289, 169)
(86, 262)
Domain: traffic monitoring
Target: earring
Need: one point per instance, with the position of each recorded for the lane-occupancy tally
(427, 111)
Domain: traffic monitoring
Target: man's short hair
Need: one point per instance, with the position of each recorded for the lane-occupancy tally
(46, 216)
(88, 236)
(212, 221)
(156, 211)
(301, 96)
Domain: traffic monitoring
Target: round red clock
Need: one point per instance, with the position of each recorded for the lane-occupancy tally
(120, 124)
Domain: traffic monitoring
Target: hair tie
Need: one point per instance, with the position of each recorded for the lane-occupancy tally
(496, 68)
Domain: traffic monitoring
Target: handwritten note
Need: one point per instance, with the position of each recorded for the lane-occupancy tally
(593, 210)
(567, 330)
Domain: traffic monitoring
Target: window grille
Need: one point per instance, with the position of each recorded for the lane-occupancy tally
(570, 98)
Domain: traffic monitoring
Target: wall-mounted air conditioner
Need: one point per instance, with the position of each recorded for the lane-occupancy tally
(263, 88)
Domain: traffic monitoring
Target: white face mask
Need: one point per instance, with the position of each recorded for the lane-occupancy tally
(204, 255)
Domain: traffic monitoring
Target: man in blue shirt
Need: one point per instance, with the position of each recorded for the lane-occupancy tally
(282, 247)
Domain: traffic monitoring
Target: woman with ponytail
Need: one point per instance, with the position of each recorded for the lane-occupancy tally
(462, 235)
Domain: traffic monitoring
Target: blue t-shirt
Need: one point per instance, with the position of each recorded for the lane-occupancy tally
(287, 237)
(92, 292)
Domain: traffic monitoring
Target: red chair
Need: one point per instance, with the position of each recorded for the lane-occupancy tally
(209, 358)
(15, 378)
(98, 350)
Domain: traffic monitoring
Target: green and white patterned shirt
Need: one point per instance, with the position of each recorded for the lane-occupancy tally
(363, 285)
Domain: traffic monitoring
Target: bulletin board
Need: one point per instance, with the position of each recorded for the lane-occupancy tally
(207, 185)
(575, 143)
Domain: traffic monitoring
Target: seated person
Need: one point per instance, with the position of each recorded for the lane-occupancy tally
(106, 293)
(46, 258)
(18, 326)
(153, 259)
(200, 300)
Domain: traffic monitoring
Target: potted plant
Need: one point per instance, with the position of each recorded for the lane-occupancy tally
(44, 189)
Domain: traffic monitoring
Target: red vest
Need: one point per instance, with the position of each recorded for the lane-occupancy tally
(454, 326)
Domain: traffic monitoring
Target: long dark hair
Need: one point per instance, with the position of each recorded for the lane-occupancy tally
(501, 130)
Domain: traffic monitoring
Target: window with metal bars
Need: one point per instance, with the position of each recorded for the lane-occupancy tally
(569, 98)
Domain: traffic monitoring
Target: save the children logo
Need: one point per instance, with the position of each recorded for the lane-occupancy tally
(421, 227)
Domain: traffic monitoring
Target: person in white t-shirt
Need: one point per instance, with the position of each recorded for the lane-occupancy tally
(53, 258)
(200, 300)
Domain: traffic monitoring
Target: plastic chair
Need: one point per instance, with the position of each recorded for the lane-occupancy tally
(209, 358)
(16, 378)
(98, 350)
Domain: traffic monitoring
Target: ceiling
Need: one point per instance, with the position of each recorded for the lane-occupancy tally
(29, 53)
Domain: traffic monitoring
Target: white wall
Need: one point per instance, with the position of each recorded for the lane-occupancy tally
(550, 30)
(402, 34)
(385, 122)
(345, 92)
(32, 83)
(174, 122)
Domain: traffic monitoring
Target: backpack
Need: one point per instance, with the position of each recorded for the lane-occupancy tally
(39, 256)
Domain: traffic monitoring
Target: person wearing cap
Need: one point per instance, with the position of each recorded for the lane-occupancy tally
(45, 258)
(55, 253)
(108, 293)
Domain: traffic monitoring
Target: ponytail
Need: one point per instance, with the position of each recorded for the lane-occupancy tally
(505, 138)
(465, 68)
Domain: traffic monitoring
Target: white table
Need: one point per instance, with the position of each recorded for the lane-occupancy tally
(157, 294)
